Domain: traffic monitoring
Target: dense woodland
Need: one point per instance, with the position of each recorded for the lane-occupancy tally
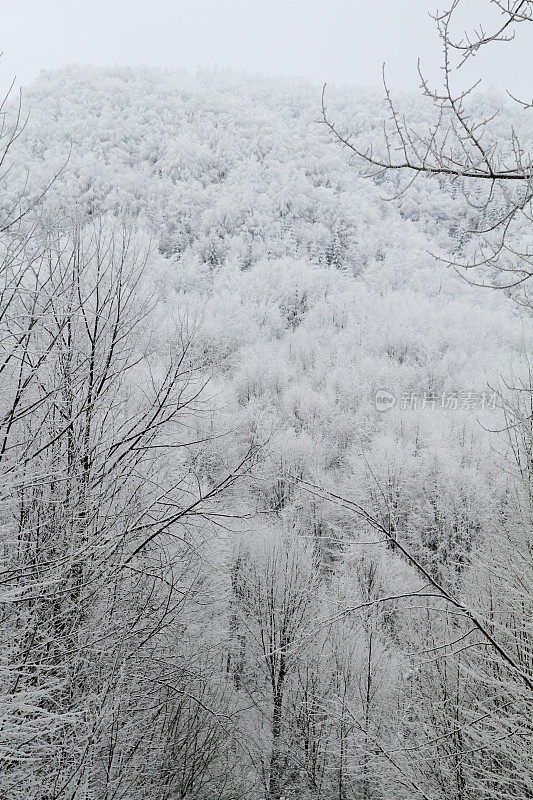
(224, 573)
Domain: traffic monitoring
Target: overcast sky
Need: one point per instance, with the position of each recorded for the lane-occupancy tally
(341, 41)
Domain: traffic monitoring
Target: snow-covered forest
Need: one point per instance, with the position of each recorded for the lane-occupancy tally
(266, 461)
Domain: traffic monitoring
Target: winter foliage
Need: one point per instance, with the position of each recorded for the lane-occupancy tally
(224, 571)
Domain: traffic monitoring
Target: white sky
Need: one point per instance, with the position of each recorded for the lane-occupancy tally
(341, 41)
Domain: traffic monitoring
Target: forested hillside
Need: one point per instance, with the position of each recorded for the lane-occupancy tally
(227, 571)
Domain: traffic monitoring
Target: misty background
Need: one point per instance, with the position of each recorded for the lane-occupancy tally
(343, 41)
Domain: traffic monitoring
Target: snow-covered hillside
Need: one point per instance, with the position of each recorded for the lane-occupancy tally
(296, 296)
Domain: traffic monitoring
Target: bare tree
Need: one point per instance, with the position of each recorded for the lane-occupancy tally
(93, 493)
(277, 582)
(496, 179)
